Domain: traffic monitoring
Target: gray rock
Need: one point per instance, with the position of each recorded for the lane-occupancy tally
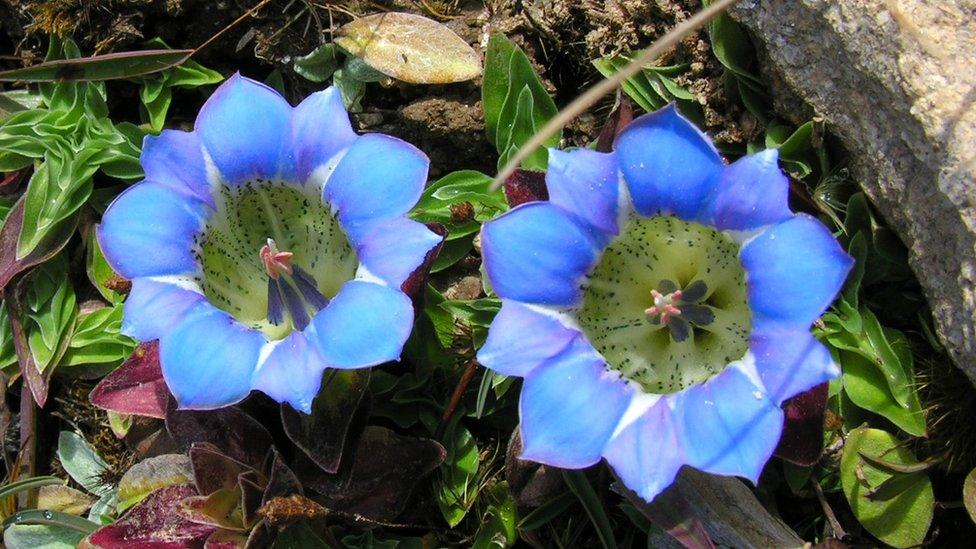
(895, 80)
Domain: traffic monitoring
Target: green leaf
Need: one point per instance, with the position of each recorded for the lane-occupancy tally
(82, 463)
(98, 270)
(8, 355)
(350, 89)
(100, 67)
(902, 519)
(51, 518)
(522, 127)
(55, 193)
(51, 312)
(497, 528)
(507, 72)
(32, 483)
(319, 64)
(969, 494)
(97, 340)
(410, 48)
(458, 489)
(867, 388)
(548, 511)
(41, 536)
(580, 485)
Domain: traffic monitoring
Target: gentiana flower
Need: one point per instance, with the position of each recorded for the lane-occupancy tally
(659, 306)
(268, 244)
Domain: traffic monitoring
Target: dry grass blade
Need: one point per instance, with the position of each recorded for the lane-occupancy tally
(593, 94)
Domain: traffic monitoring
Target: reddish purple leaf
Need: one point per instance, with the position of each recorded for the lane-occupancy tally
(414, 285)
(155, 523)
(226, 539)
(136, 387)
(281, 480)
(233, 432)
(385, 469)
(619, 119)
(323, 434)
(35, 380)
(10, 264)
(252, 494)
(213, 471)
(803, 430)
(525, 186)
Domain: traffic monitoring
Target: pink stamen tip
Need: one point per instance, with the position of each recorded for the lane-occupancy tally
(675, 295)
(651, 311)
(275, 262)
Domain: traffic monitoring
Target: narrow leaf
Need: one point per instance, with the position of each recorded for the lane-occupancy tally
(110, 66)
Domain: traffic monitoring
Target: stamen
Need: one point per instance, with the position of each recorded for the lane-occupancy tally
(664, 307)
(291, 290)
(275, 261)
(276, 312)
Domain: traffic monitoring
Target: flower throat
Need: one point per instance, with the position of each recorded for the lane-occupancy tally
(272, 255)
(666, 305)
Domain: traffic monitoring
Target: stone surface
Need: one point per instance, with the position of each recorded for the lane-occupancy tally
(730, 513)
(895, 80)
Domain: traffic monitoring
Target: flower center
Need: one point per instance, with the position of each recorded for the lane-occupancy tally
(273, 254)
(666, 305)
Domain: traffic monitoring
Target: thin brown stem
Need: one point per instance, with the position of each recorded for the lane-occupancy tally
(459, 390)
(594, 93)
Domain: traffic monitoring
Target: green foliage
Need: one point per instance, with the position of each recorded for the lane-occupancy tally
(67, 140)
(349, 74)
(653, 87)
(51, 310)
(894, 502)
(458, 488)
(516, 102)
(441, 199)
(156, 91)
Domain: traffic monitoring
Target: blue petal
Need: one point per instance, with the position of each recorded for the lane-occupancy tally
(393, 249)
(729, 426)
(245, 128)
(793, 272)
(154, 308)
(790, 362)
(751, 193)
(668, 164)
(209, 359)
(647, 454)
(149, 230)
(537, 253)
(175, 159)
(365, 324)
(320, 130)
(585, 183)
(569, 408)
(292, 373)
(521, 339)
(380, 177)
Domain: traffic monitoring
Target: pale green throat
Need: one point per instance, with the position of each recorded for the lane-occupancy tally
(666, 305)
(235, 278)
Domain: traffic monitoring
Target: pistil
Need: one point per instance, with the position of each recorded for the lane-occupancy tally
(291, 291)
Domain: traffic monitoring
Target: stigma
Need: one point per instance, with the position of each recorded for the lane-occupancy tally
(275, 261)
(664, 306)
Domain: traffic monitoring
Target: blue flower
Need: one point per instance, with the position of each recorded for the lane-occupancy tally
(268, 244)
(659, 306)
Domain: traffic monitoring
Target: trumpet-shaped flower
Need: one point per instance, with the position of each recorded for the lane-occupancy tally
(268, 244)
(659, 306)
